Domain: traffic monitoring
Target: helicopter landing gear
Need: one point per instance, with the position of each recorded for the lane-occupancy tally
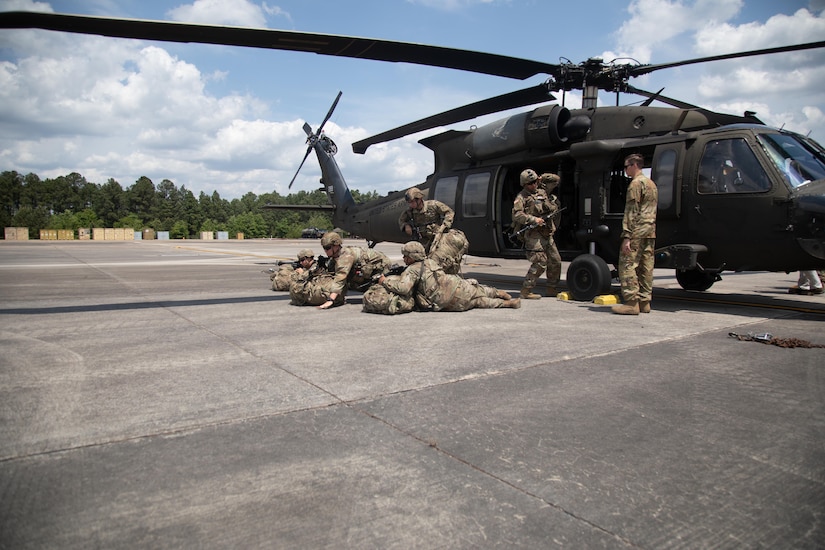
(587, 277)
(696, 279)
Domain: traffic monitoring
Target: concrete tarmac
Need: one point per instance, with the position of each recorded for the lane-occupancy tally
(158, 394)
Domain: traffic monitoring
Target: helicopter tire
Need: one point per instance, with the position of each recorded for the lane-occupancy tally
(587, 277)
(694, 279)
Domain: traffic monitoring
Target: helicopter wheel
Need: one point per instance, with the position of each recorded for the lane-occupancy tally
(587, 277)
(694, 279)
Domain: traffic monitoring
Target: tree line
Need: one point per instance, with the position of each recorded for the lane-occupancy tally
(71, 202)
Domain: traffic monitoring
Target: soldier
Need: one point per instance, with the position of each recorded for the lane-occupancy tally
(430, 223)
(282, 278)
(435, 290)
(310, 283)
(638, 240)
(535, 208)
(351, 267)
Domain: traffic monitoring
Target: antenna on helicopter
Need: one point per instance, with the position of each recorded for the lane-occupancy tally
(313, 137)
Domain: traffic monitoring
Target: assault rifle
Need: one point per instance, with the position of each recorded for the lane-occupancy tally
(393, 270)
(320, 263)
(546, 219)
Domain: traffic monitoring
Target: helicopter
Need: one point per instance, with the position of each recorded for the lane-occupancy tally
(734, 194)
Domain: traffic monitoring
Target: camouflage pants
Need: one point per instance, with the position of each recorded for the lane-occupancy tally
(471, 295)
(449, 250)
(636, 270)
(378, 299)
(282, 278)
(543, 255)
(313, 292)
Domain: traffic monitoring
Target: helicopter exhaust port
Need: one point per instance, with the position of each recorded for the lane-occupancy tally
(542, 128)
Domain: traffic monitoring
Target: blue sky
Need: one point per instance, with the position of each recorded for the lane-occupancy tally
(229, 119)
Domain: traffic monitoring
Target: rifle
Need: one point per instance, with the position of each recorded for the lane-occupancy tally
(393, 270)
(546, 218)
(320, 263)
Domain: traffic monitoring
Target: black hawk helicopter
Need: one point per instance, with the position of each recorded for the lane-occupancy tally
(734, 194)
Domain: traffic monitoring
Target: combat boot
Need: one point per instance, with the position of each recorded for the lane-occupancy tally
(503, 295)
(631, 307)
(644, 306)
(552, 292)
(527, 294)
(515, 304)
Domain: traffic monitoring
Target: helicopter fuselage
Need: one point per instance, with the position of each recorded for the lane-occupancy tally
(726, 200)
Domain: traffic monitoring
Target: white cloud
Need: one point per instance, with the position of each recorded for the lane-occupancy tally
(241, 13)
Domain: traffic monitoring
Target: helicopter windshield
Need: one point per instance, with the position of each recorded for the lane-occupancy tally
(797, 158)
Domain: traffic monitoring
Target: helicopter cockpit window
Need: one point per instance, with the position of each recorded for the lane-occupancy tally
(474, 197)
(445, 190)
(795, 158)
(730, 166)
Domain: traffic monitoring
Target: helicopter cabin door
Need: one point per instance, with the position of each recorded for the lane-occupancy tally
(468, 194)
(735, 211)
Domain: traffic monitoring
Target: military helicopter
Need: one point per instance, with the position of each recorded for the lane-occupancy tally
(734, 194)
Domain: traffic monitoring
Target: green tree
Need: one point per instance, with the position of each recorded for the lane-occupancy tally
(140, 198)
(251, 225)
(64, 220)
(111, 205)
(131, 221)
(88, 218)
(179, 230)
(33, 218)
(11, 190)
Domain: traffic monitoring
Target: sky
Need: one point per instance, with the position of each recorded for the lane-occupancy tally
(228, 119)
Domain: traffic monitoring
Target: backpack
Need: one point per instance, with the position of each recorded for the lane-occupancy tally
(378, 299)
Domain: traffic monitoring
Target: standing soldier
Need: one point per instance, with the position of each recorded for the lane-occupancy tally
(638, 240)
(351, 267)
(430, 223)
(435, 290)
(535, 209)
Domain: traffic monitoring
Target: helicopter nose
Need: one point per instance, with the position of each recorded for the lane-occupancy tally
(809, 218)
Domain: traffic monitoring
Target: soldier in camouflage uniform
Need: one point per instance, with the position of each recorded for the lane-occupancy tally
(352, 267)
(309, 284)
(430, 223)
(638, 240)
(282, 279)
(435, 290)
(534, 206)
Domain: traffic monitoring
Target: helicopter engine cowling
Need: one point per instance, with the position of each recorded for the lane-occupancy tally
(542, 128)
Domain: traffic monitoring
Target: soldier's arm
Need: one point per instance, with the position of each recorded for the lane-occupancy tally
(405, 283)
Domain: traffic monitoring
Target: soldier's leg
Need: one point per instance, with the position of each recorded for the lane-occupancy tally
(538, 265)
(553, 268)
(645, 270)
(628, 264)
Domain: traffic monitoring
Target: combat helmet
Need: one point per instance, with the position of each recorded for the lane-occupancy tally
(330, 238)
(414, 250)
(413, 193)
(305, 253)
(528, 176)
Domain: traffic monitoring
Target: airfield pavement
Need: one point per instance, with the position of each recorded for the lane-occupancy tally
(158, 394)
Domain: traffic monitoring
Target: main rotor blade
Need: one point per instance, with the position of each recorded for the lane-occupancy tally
(659, 97)
(325, 44)
(309, 150)
(512, 100)
(645, 69)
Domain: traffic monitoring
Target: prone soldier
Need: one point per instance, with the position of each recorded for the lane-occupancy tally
(434, 290)
(351, 267)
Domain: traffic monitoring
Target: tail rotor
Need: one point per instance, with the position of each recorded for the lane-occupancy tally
(313, 137)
